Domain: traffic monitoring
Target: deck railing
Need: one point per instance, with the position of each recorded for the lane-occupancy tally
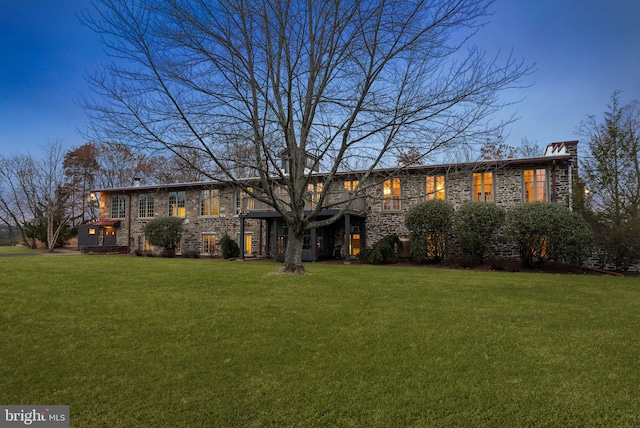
(333, 200)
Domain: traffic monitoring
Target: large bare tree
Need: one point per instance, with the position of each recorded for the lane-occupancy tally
(35, 191)
(336, 83)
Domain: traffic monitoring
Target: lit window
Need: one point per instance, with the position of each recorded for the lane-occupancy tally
(483, 187)
(535, 185)
(314, 189)
(147, 246)
(118, 206)
(247, 244)
(435, 187)
(391, 195)
(243, 202)
(209, 203)
(208, 244)
(351, 185)
(177, 203)
(92, 231)
(145, 205)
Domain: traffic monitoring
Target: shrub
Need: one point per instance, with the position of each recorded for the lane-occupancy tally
(384, 251)
(475, 223)
(429, 223)
(164, 232)
(620, 245)
(191, 254)
(546, 230)
(229, 247)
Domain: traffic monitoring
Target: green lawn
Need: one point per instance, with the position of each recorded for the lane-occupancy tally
(151, 342)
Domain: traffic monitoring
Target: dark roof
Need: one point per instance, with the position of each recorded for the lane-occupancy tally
(476, 165)
(103, 223)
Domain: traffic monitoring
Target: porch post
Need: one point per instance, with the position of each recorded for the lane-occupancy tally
(314, 244)
(241, 237)
(274, 244)
(267, 236)
(347, 239)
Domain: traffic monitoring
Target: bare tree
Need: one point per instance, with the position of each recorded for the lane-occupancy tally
(35, 191)
(118, 165)
(331, 82)
(81, 168)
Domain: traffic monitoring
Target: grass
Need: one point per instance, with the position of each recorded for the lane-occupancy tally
(130, 342)
(18, 250)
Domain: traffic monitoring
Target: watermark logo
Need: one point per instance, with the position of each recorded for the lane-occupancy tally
(34, 416)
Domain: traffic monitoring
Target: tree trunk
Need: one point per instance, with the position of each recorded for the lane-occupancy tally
(293, 254)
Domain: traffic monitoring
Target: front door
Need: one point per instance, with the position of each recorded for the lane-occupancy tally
(109, 236)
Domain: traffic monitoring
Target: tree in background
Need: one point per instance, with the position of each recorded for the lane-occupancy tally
(611, 172)
(326, 83)
(81, 168)
(493, 149)
(33, 191)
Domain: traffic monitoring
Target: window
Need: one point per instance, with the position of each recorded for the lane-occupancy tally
(282, 236)
(436, 246)
(118, 206)
(208, 243)
(483, 187)
(243, 201)
(435, 187)
(145, 205)
(177, 203)
(314, 192)
(351, 185)
(248, 239)
(535, 185)
(147, 246)
(209, 203)
(354, 241)
(92, 231)
(391, 195)
(306, 241)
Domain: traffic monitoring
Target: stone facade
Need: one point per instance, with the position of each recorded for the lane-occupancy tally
(507, 190)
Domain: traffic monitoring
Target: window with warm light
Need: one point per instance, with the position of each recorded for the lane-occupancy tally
(391, 195)
(314, 189)
(177, 204)
(91, 231)
(208, 243)
(209, 203)
(351, 185)
(483, 187)
(535, 185)
(435, 188)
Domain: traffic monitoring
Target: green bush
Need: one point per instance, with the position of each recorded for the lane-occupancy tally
(384, 251)
(229, 247)
(475, 223)
(429, 224)
(164, 232)
(546, 230)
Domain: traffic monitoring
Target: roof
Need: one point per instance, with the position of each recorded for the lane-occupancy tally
(555, 152)
(103, 223)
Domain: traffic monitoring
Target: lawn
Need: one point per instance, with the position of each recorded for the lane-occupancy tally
(151, 342)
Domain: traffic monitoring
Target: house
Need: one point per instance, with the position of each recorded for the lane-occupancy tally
(211, 210)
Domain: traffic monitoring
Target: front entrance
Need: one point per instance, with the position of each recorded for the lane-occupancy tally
(109, 236)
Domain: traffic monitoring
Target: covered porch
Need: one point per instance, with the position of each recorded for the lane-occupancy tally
(344, 239)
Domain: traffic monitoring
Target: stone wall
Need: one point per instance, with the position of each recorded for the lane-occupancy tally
(227, 222)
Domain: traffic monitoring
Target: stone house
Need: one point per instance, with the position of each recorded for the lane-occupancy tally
(211, 210)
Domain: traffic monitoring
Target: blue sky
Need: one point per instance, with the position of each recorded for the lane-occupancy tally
(583, 51)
